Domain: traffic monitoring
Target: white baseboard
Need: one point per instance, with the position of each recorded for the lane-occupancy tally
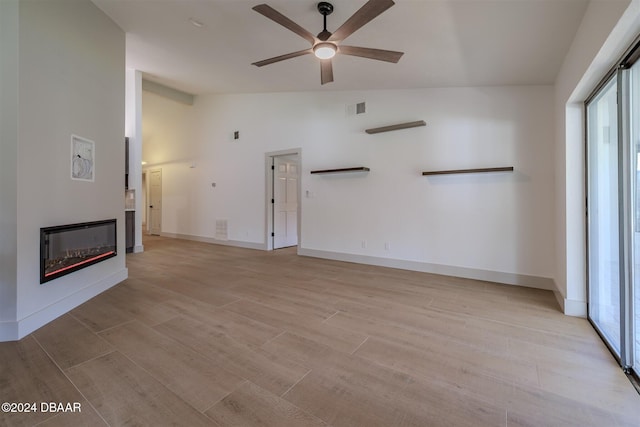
(447, 270)
(138, 248)
(235, 243)
(12, 331)
(571, 307)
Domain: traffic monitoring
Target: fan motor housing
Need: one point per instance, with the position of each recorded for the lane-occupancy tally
(325, 8)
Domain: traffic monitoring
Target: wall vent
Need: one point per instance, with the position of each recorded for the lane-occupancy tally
(222, 230)
(360, 108)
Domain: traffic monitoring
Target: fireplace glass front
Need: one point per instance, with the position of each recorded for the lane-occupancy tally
(67, 248)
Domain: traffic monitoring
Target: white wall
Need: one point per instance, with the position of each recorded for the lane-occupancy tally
(496, 226)
(8, 161)
(607, 29)
(169, 144)
(70, 81)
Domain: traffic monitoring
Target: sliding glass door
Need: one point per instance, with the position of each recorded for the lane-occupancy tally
(603, 216)
(613, 209)
(634, 142)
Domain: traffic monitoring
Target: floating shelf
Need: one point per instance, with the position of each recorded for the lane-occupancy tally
(397, 127)
(482, 170)
(356, 169)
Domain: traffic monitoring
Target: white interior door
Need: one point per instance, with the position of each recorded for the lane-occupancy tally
(155, 201)
(285, 202)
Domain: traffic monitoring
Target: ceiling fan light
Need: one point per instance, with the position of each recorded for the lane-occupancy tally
(324, 50)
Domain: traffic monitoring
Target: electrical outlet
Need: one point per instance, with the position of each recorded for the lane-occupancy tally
(387, 246)
(364, 244)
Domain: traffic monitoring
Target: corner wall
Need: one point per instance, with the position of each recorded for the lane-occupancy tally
(8, 162)
(496, 226)
(70, 81)
(607, 29)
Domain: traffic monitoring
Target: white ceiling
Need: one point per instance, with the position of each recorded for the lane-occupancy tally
(446, 43)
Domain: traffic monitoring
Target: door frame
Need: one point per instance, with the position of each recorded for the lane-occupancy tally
(269, 176)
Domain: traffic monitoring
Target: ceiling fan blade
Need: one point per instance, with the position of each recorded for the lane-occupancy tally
(282, 57)
(326, 71)
(366, 13)
(276, 16)
(365, 52)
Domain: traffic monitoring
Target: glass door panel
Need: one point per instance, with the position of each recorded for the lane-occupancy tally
(634, 141)
(603, 199)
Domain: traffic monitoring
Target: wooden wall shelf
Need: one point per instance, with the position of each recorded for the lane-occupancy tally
(356, 169)
(396, 127)
(481, 170)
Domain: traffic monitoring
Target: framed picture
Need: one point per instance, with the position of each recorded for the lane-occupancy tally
(82, 159)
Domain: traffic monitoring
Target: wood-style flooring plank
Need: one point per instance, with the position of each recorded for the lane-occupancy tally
(202, 291)
(87, 417)
(284, 299)
(241, 328)
(69, 342)
(423, 362)
(129, 300)
(200, 383)
(418, 328)
(274, 372)
(251, 405)
(345, 390)
(429, 403)
(535, 407)
(125, 394)
(311, 326)
(27, 374)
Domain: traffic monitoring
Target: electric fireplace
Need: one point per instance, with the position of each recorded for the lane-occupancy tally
(68, 248)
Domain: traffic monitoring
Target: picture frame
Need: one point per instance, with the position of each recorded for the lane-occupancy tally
(82, 159)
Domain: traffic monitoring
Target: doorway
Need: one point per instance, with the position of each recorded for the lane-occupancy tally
(145, 191)
(283, 199)
(155, 201)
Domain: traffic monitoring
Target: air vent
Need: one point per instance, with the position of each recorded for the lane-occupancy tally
(360, 108)
(222, 230)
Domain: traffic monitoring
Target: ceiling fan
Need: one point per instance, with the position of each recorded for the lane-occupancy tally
(326, 44)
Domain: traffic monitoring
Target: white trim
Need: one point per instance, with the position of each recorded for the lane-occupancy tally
(537, 282)
(12, 331)
(214, 241)
(571, 307)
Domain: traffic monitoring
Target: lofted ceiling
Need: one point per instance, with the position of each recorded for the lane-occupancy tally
(446, 43)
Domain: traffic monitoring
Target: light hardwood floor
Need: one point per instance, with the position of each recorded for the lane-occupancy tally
(218, 336)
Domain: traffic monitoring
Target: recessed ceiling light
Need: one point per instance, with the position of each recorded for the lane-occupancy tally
(196, 23)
